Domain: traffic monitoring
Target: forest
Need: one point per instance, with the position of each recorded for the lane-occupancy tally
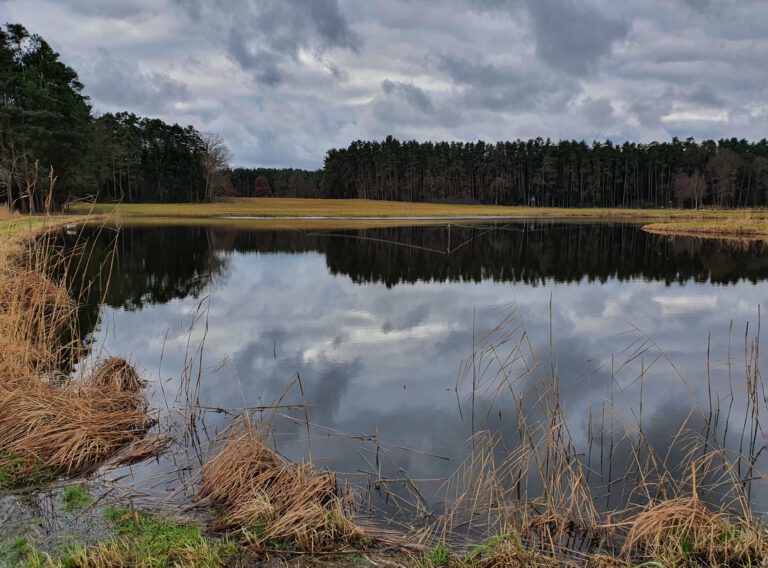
(54, 149)
(277, 182)
(726, 173)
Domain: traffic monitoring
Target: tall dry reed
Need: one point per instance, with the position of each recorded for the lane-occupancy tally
(532, 497)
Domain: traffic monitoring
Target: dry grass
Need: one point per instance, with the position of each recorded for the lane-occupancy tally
(287, 207)
(685, 532)
(271, 500)
(50, 424)
(150, 446)
(350, 213)
(67, 430)
(741, 225)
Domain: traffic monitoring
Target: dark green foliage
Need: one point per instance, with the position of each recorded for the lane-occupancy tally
(48, 139)
(145, 159)
(287, 182)
(545, 173)
(44, 121)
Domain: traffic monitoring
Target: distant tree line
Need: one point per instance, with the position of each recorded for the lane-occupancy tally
(726, 173)
(52, 148)
(277, 182)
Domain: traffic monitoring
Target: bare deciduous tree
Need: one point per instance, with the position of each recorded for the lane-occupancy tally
(690, 188)
(215, 159)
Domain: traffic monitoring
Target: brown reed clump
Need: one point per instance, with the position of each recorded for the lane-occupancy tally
(50, 428)
(684, 532)
(67, 430)
(116, 374)
(271, 500)
(145, 448)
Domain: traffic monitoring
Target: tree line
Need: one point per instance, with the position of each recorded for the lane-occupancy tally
(568, 173)
(52, 147)
(277, 182)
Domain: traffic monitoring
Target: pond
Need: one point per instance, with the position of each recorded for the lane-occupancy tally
(388, 354)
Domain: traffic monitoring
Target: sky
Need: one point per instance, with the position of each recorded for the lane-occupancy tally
(282, 81)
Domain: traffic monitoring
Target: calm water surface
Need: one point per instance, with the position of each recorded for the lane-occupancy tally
(380, 326)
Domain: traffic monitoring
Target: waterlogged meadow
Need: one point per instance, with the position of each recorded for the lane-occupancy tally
(474, 394)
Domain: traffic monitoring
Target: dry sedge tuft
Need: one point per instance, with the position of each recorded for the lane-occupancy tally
(144, 448)
(66, 430)
(271, 500)
(116, 374)
(684, 531)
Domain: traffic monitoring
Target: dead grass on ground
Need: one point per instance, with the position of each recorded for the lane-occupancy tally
(270, 500)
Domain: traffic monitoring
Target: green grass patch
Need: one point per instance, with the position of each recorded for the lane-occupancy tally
(152, 541)
(75, 497)
(140, 540)
(437, 557)
(20, 553)
(16, 473)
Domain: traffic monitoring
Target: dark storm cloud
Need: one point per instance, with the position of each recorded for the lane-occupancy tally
(284, 80)
(572, 36)
(568, 35)
(599, 111)
(503, 87)
(267, 36)
(265, 64)
(410, 93)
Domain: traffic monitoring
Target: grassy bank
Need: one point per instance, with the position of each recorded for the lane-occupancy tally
(749, 224)
(26, 226)
(753, 223)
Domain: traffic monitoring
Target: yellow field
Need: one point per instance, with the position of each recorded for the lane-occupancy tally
(351, 213)
(16, 224)
(286, 207)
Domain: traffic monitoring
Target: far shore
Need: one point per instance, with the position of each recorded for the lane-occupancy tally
(360, 213)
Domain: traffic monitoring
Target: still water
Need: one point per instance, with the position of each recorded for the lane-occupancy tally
(374, 331)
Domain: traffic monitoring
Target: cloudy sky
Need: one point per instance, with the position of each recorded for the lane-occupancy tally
(284, 80)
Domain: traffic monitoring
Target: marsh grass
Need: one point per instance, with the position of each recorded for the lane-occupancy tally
(140, 541)
(256, 492)
(75, 497)
(702, 222)
(147, 541)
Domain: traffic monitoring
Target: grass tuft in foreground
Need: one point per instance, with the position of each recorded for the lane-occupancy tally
(148, 541)
(273, 503)
(75, 497)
